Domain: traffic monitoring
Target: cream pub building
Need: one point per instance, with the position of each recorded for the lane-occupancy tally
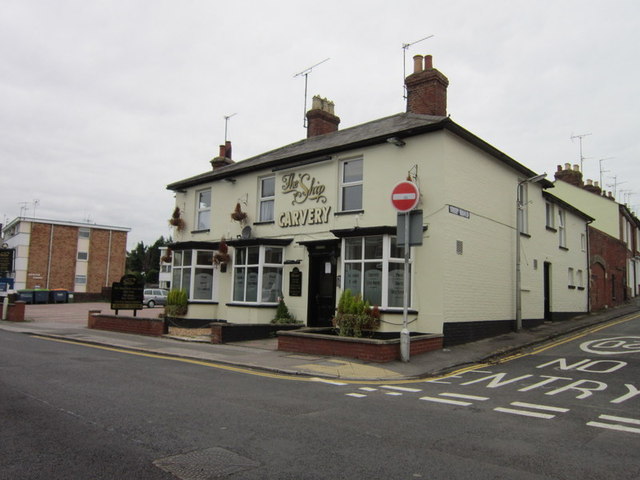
(315, 218)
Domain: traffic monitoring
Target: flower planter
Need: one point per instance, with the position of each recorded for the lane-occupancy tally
(319, 341)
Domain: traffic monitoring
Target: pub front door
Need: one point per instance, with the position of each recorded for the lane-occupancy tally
(321, 300)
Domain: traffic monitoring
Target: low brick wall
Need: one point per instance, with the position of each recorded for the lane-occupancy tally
(15, 312)
(371, 350)
(125, 324)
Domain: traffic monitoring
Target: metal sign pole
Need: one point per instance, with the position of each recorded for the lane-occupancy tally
(404, 334)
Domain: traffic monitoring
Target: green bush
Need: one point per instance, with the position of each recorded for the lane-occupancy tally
(177, 301)
(354, 316)
(283, 316)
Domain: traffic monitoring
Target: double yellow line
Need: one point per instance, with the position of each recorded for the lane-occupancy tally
(283, 376)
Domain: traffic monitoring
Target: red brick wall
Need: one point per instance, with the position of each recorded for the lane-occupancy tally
(64, 252)
(125, 324)
(378, 352)
(608, 270)
(118, 256)
(38, 255)
(101, 258)
(62, 270)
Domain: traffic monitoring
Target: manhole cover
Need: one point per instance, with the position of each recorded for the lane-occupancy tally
(206, 464)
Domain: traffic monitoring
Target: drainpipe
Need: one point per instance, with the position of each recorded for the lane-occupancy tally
(50, 254)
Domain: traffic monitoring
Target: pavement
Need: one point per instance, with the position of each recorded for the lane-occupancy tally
(69, 322)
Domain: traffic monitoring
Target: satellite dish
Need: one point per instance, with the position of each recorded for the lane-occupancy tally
(246, 232)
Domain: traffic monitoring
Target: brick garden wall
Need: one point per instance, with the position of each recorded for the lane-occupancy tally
(376, 351)
(124, 324)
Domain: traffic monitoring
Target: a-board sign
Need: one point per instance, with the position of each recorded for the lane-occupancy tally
(295, 283)
(127, 294)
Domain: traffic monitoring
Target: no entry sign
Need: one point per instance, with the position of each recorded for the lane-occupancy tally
(405, 196)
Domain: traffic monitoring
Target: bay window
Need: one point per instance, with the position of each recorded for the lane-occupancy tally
(257, 274)
(373, 267)
(193, 271)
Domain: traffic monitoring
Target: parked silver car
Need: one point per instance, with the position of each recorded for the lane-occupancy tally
(155, 296)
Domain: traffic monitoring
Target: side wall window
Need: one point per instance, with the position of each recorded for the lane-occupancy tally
(562, 232)
(351, 181)
(203, 209)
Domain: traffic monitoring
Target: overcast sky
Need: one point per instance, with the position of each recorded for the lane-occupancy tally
(104, 103)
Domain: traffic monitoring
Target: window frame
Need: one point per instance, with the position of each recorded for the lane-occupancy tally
(550, 215)
(84, 232)
(386, 260)
(261, 265)
(562, 228)
(265, 199)
(203, 213)
(192, 269)
(86, 255)
(344, 185)
(80, 280)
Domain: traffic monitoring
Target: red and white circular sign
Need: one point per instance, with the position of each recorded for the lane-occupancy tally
(405, 196)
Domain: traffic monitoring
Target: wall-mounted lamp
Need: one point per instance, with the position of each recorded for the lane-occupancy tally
(398, 142)
(230, 180)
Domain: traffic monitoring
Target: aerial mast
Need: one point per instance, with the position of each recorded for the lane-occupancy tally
(306, 73)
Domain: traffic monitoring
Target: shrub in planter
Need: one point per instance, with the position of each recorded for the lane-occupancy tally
(283, 316)
(176, 303)
(355, 316)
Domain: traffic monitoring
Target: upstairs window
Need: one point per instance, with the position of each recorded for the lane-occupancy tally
(550, 215)
(84, 232)
(562, 233)
(203, 209)
(266, 199)
(83, 256)
(351, 185)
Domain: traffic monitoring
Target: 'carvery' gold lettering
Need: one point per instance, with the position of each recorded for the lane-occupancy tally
(309, 216)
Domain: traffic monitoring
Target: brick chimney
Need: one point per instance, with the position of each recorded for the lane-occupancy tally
(224, 157)
(321, 119)
(426, 88)
(570, 175)
(593, 187)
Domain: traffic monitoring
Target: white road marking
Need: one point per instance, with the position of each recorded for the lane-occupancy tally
(368, 389)
(444, 400)
(467, 397)
(619, 419)
(620, 428)
(401, 389)
(393, 394)
(355, 395)
(540, 407)
(330, 382)
(524, 413)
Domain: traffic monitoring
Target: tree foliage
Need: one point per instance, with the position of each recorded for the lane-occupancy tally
(144, 260)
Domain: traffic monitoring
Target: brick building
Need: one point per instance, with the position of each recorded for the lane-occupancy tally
(78, 257)
(614, 248)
